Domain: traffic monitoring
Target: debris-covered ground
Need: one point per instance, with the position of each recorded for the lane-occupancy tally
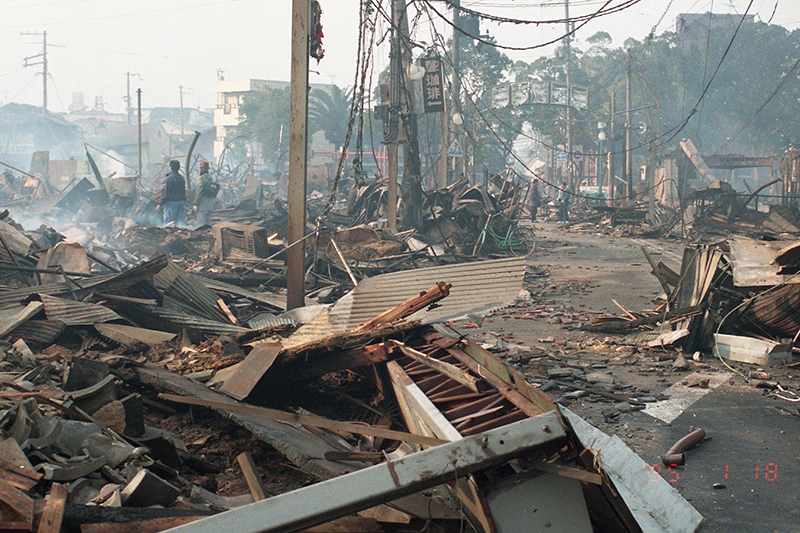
(151, 376)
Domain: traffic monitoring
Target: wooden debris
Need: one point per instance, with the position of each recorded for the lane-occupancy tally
(245, 460)
(54, 509)
(407, 308)
(309, 420)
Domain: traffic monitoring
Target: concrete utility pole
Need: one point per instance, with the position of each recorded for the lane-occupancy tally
(628, 133)
(43, 55)
(298, 151)
(139, 107)
(180, 88)
(401, 94)
(568, 52)
(456, 80)
(612, 143)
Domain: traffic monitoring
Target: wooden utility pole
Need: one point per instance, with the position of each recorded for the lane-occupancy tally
(628, 132)
(298, 149)
(568, 52)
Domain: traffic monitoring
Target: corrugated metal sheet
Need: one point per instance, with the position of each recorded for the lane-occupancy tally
(111, 283)
(775, 311)
(119, 282)
(269, 322)
(39, 331)
(74, 313)
(276, 301)
(476, 288)
(184, 320)
(753, 263)
(190, 291)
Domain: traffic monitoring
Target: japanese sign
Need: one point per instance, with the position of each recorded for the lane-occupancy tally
(433, 85)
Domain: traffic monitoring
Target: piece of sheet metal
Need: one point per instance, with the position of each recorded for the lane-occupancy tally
(74, 313)
(753, 263)
(477, 287)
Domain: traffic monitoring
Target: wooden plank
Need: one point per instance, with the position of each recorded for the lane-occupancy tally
(308, 420)
(446, 369)
(419, 411)
(539, 399)
(54, 509)
(19, 481)
(420, 405)
(139, 526)
(485, 360)
(573, 473)
(251, 370)
(657, 272)
(503, 387)
(18, 501)
(248, 466)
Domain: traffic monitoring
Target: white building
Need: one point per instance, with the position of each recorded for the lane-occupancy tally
(230, 95)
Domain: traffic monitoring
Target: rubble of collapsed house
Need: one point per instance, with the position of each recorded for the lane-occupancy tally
(736, 300)
(401, 421)
(689, 202)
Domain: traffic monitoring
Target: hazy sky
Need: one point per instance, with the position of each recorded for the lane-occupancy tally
(166, 44)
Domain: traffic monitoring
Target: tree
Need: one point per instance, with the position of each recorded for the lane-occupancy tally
(329, 111)
(266, 114)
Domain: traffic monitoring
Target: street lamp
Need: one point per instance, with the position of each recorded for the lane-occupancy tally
(602, 137)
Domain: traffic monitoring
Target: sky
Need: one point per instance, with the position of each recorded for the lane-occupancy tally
(174, 48)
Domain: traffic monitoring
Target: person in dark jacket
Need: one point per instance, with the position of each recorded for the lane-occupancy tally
(173, 196)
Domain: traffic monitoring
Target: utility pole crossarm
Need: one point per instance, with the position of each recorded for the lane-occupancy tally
(43, 62)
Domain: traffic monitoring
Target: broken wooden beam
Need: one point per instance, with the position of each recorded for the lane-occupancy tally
(407, 308)
(307, 420)
(248, 466)
(337, 497)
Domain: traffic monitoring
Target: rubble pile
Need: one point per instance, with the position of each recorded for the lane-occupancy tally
(99, 370)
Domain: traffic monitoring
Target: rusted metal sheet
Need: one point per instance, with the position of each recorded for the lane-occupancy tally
(775, 311)
(476, 287)
(190, 291)
(180, 320)
(754, 263)
(74, 313)
(38, 331)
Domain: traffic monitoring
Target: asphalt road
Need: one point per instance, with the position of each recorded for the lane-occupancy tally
(755, 438)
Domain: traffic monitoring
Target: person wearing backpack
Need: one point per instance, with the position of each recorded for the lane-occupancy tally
(204, 195)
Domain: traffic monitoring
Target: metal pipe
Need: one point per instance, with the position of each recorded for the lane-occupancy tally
(674, 455)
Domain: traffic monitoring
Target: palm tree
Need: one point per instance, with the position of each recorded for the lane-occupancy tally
(329, 111)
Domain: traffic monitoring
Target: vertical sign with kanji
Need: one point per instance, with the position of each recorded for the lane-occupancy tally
(433, 85)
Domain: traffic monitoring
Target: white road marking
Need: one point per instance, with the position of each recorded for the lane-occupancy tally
(681, 397)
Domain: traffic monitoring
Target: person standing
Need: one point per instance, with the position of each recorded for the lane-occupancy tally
(563, 203)
(534, 199)
(203, 199)
(173, 196)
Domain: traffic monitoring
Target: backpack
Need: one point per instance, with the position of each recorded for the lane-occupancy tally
(211, 190)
